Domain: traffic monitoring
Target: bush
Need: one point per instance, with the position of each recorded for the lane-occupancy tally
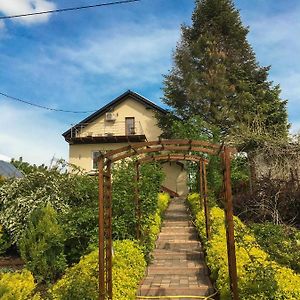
(5, 242)
(123, 196)
(18, 286)
(81, 281)
(151, 227)
(42, 245)
(259, 277)
(281, 242)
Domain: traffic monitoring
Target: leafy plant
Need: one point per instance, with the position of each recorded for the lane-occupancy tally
(80, 282)
(42, 245)
(123, 196)
(281, 242)
(259, 276)
(18, 286)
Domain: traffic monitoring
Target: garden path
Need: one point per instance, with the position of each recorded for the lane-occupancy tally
(178, 267)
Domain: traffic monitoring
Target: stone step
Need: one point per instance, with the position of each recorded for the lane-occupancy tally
(181, 236)
(178, 270)
(178, 244)
(178, 263)
(204, 290)
(176, 223)
(179, 218)
(178, 230)
(177, 254)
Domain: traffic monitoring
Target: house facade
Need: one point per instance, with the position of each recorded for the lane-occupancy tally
(128, 119)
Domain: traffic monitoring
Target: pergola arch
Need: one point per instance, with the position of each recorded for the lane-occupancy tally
(145, 152)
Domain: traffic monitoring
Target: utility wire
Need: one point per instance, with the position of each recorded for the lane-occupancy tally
(45, 107)
(67, 9)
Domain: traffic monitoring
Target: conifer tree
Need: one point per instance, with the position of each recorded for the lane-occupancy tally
(216, 76)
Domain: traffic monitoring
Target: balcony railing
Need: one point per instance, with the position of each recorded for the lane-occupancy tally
(107, 129)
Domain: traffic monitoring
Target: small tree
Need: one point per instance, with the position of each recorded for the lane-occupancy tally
(42, 245)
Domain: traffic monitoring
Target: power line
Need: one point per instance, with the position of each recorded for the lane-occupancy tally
(67, 9)
(45, 107)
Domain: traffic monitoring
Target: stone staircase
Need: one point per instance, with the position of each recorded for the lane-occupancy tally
(178, 268)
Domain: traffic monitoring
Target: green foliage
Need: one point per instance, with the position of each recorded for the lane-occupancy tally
(152, 224)
(151, 178)
(18, 286)
(81, 281)
(123, 202)
(80, 221)
(73, 196)
(26, 167)
(5, 241)
(216, 77)
(42, 244)
(19, 198)
(124, 213)
(281, 242)
(259, 277)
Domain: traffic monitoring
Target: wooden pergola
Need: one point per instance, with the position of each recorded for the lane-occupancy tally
(153, 151)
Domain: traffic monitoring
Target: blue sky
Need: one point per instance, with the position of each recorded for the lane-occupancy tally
(82, 60)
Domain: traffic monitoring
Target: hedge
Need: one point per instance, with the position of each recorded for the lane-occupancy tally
(18, 286)
(80, 282)
(151, 226)
(258, 276)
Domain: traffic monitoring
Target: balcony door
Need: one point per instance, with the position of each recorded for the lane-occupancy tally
(129, 126)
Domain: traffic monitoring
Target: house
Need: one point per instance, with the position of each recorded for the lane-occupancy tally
(130, 118)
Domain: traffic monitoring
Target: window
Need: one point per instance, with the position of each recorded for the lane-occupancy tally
(95, 156)
(129, 126)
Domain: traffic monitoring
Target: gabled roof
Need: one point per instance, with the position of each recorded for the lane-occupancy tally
(114, 102)
(8, 170)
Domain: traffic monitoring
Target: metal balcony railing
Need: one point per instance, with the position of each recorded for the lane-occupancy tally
(106, 129)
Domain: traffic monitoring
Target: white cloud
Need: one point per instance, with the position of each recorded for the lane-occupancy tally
(16, 7)
(32, 134)
(131, 53)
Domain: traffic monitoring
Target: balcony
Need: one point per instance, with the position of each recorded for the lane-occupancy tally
(106, 132)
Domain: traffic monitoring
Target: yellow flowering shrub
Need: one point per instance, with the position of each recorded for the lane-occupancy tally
(18, 286)
(258, 276)
(151, 227)
(80, 282)
(163, 201)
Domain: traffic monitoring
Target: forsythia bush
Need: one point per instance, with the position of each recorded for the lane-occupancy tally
(18, 286)
(259, 277)
(81, 281)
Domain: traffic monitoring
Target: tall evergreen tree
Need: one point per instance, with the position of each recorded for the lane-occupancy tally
(216, 76)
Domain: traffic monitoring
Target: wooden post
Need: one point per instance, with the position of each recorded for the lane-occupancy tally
(137, 201)
(205, 199)
(109, 231)
(230, 226)
(201, 183)
(101, 230)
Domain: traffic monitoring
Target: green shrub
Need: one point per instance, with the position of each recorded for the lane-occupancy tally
(123, 196)
(151, 227)
(18, 286)
(5, 241)
(259, 277)
(42, 245)
(81, 281)
(281, 242)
